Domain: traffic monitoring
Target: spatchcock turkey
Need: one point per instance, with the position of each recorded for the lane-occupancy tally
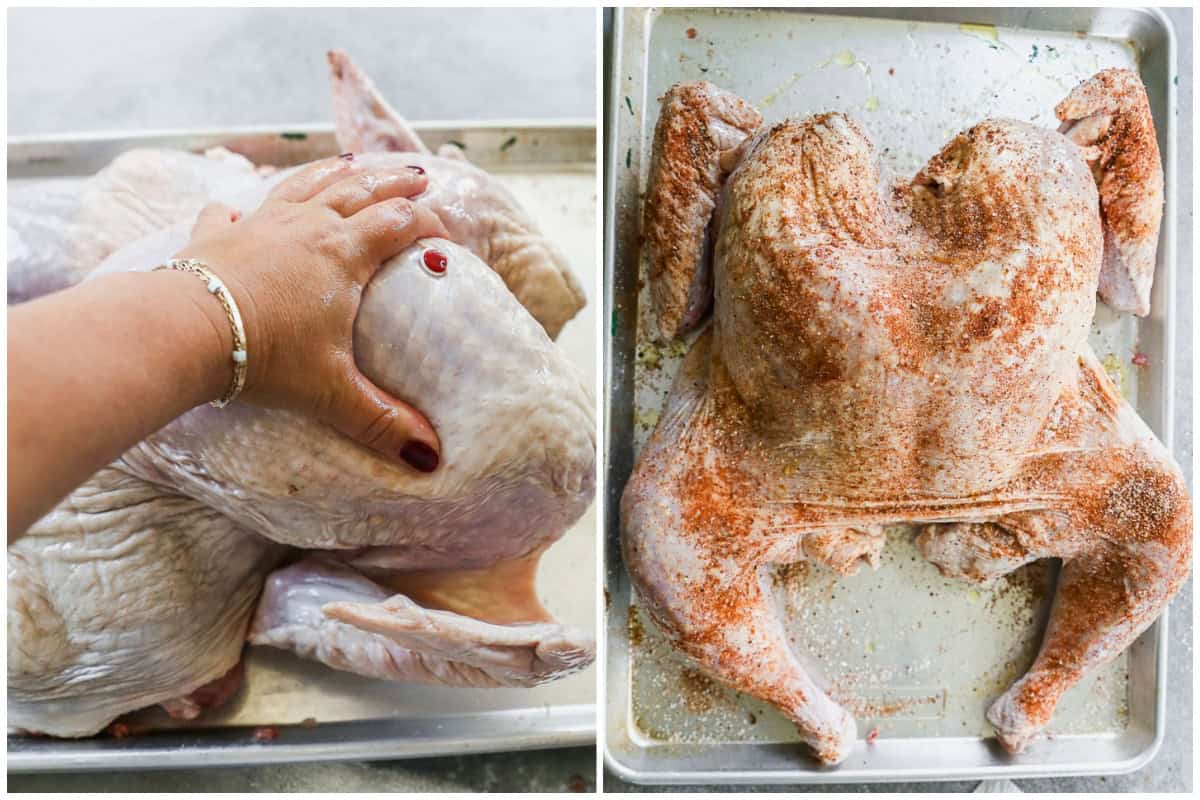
(909, 351)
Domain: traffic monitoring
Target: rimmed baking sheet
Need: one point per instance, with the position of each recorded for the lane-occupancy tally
(916, 656)
(550, 168)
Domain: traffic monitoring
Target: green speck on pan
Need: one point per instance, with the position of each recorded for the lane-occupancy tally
(1033, 54)
(986, 32)
(647, 419)
(509, 142)
(1175, 80)
(612, 326)
(1117, 371)
(629, 104)
(654, 734)
(650, 356)
(295, 137)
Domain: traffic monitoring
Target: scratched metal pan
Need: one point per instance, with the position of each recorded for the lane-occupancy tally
(550, 167)
(913, 655)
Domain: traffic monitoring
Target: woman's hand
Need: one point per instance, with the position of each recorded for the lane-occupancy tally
(297, 267)
(95, 368)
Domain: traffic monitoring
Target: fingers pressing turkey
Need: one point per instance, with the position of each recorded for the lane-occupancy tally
(391, 226)
(358, 191)
(364, 412)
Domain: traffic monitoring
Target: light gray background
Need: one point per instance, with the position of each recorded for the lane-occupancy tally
(132, 69)
(1171, 771)
(89, 70)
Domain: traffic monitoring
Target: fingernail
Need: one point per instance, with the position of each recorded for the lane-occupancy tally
(420, 456)
(347, 156)
(435, 261)
(234, 216)
(416, 169)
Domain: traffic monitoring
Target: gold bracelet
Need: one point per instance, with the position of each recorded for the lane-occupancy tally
(217, 289)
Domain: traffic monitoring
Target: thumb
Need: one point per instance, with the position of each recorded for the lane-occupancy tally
(213, 217)
(375, 419)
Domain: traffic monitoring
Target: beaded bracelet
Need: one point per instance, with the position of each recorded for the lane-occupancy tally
(217, 288)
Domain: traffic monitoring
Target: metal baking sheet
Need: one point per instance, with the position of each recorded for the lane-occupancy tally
(914, 655)
(551, 170)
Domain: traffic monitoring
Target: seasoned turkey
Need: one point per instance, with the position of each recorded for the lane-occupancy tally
(915, 352)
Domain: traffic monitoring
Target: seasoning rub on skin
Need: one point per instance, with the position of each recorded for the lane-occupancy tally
(913, 352)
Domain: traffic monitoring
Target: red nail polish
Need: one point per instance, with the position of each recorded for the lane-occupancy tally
(234, 216)
(435, 261)
(420, 456)
(347, 156)
(416, 169)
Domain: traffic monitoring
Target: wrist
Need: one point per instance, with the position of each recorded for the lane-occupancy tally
(206, 338)
(254, 339)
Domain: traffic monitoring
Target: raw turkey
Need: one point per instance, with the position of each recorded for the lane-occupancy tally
(914, 352)
(59, 230)
(476, 209)
(142, 586)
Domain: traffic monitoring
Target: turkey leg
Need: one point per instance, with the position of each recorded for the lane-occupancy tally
(698, 544)
(1121, 525)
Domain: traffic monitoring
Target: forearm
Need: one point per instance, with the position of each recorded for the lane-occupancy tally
(96, 368)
